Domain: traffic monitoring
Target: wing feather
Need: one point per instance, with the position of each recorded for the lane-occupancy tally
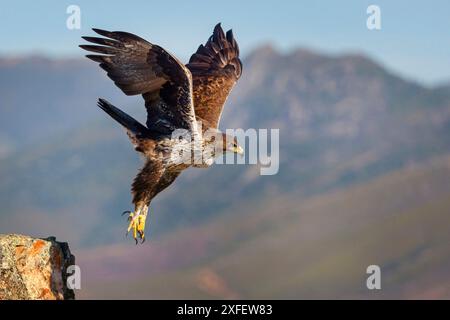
(215, 68)
(139, 67)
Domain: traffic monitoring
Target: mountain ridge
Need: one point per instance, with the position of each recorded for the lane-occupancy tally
(342, 120)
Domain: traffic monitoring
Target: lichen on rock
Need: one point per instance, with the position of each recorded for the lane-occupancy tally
(32, 268)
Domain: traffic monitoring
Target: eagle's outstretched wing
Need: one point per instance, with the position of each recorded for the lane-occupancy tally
(215, 68)
(139, 67)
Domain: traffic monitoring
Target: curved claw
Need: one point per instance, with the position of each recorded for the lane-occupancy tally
(137, 225)
(142, 236)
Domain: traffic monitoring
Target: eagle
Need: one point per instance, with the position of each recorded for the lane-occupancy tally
(183, 103)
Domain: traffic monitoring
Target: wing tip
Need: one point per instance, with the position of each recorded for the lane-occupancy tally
(98, 30)
(221, 49)
(96, 58)
(230, 37)
(218, 33)
(105, 33)
(220, 36)
(102, 103)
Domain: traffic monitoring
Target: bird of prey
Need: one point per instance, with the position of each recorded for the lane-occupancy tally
(183, 102)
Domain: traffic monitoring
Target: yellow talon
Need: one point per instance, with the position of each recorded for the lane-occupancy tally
(141, 226)
(130, 218)
(137, 223)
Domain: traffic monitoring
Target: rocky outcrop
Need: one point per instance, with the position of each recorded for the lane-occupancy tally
(32, 268)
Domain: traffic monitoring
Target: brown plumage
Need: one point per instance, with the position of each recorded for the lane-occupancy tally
(176, 97)
(215, 68)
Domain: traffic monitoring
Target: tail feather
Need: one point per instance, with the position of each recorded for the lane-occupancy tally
(124, 119)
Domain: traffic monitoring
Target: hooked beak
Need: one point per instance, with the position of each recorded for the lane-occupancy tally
(239, 150)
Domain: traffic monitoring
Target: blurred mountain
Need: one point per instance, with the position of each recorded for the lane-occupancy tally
(41, 97)
(283, 248)
(343, 120)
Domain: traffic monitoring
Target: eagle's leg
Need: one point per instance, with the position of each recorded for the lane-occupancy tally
(137, 222)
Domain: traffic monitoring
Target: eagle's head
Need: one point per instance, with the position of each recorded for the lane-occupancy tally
(230, 144)
(217, 144)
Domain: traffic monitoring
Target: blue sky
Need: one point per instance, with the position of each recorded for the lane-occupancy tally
(414, 40)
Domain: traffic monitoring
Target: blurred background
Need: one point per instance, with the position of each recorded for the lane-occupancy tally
(364, 119)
